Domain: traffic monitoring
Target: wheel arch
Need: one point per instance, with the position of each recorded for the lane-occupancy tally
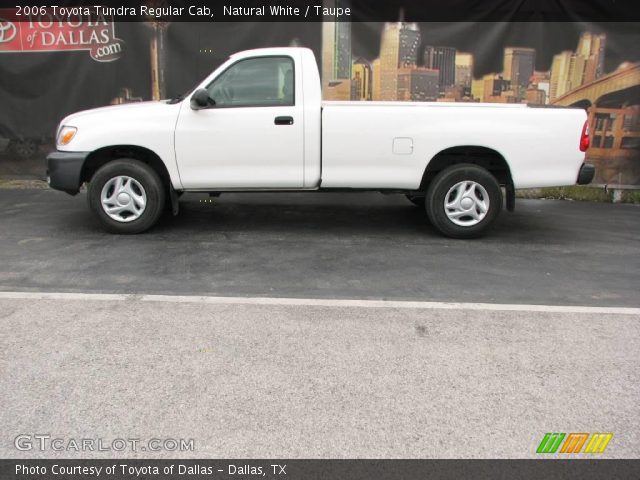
(486, 157)
(102, 156)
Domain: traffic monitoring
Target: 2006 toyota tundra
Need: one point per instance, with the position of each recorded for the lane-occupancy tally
(258, 123)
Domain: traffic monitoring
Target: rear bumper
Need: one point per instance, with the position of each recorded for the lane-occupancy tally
(587, 171)
(64, 170)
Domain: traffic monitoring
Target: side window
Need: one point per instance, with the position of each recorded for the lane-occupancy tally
(255, 82)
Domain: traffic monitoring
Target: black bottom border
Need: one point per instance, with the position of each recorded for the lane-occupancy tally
(161, 469)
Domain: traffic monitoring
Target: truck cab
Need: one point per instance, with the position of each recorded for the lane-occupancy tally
(260, 121)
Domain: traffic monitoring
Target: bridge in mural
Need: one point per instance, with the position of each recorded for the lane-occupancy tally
(613, 104)
(588, 94)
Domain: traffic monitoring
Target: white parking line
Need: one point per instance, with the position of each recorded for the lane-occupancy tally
(314, 302)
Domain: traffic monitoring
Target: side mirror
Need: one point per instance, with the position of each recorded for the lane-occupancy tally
(201, 99)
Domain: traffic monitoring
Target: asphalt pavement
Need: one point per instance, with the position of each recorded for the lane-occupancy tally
(324, 329)
(317, 245)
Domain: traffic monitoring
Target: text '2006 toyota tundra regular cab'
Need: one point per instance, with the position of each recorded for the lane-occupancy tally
(258, 123)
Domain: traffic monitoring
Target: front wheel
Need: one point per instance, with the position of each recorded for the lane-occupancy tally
(463, 201)
(127, 196)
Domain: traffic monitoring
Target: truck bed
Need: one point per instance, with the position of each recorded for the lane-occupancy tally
(388, 144)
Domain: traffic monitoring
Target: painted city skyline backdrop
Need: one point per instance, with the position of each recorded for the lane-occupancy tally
(434, 71)
(486, 40)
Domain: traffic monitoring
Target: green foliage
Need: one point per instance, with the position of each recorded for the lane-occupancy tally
(631, 196)
(581, 193)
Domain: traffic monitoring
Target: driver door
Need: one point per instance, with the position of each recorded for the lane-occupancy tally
(252, 136)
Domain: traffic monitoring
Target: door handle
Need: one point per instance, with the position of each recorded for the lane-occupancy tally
(283, 121)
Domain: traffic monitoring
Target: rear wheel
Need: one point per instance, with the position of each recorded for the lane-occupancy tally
(463, 201)
(127, 196)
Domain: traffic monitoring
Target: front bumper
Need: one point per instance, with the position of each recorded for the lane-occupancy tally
(587, 171)
(64, 170)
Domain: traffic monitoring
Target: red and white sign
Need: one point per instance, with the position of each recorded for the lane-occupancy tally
(46, 32)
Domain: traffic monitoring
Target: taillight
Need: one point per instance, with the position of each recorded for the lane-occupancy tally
(584, 138)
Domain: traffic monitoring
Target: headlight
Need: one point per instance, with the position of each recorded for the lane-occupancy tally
(65, 135)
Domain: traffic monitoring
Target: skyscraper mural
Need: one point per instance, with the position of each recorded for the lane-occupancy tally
(336, 66)
(399, 47)
(442, 59)
(518, 68)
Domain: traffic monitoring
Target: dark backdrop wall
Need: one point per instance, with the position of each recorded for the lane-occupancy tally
(152, 60)
(37, 89)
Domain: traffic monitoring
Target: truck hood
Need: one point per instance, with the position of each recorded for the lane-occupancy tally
(128, 111)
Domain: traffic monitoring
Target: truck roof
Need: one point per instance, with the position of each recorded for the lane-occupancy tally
(270, 51)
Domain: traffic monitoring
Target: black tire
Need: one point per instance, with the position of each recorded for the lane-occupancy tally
(417, 200)
(146, 177)
(26, 148)
(439, 189)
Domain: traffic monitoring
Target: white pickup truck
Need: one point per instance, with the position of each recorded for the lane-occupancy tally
(258, 123)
